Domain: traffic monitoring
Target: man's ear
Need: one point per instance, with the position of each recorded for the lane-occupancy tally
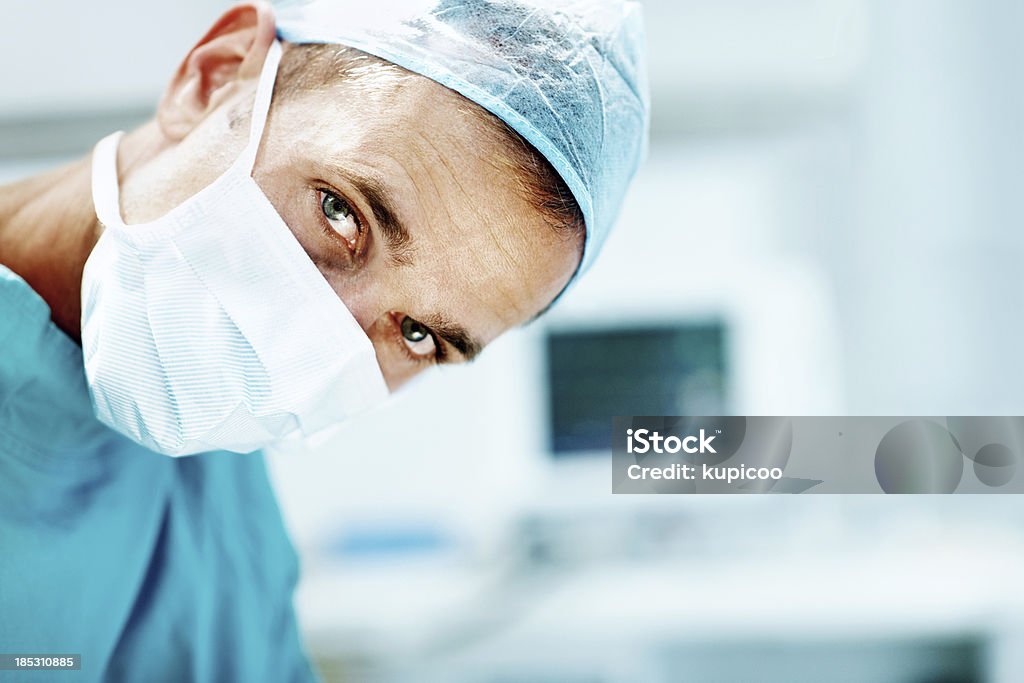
(232, 51)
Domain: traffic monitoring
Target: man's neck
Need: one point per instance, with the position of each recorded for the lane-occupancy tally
(48, 227)
(47, 230)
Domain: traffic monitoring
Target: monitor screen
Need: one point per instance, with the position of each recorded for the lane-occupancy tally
(594, 375)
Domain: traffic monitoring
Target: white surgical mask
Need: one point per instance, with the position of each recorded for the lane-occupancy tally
(211, 328)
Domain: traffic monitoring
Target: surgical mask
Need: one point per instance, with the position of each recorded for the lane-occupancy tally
(210, 328)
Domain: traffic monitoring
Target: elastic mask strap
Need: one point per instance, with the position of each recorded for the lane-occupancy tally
(105, 188)
(261, 106)
(106, 195)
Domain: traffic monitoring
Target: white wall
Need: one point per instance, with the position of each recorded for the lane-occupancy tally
(61, 57)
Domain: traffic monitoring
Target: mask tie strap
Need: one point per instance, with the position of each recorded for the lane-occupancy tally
(261, 106)
(106, 195)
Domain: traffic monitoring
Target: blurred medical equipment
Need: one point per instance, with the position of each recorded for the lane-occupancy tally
(656, 369)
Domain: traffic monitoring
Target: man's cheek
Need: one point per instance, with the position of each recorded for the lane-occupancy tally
(397, 369)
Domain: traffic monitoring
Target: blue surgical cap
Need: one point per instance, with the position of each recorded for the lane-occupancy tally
(568, 76)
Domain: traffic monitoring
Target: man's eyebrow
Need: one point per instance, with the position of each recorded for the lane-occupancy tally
(396, 235)
(454, 334)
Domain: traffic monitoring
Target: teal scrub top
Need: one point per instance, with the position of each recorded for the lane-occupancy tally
(151, 568)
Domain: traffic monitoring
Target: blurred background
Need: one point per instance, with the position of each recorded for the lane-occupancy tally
(830, 222)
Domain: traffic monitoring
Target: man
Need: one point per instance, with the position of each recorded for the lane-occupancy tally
(325, 203)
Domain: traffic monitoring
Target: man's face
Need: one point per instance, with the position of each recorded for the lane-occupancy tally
(405, 205)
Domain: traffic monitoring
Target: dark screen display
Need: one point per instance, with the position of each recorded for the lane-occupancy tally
(658, 370)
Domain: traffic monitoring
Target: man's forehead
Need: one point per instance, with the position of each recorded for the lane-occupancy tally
(467, 237)
(429, 166)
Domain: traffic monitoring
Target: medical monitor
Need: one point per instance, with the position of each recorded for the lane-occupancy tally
(658, 368)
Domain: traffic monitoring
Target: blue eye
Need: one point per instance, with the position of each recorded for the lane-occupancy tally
(418, 337)
(339, 214)
(335, 208)
(413, 331)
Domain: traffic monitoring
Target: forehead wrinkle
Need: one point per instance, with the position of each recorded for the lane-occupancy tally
(501, 290)
(449, 168)
(506, 291)
(437, 192)
(509, 259)
(474, 208)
